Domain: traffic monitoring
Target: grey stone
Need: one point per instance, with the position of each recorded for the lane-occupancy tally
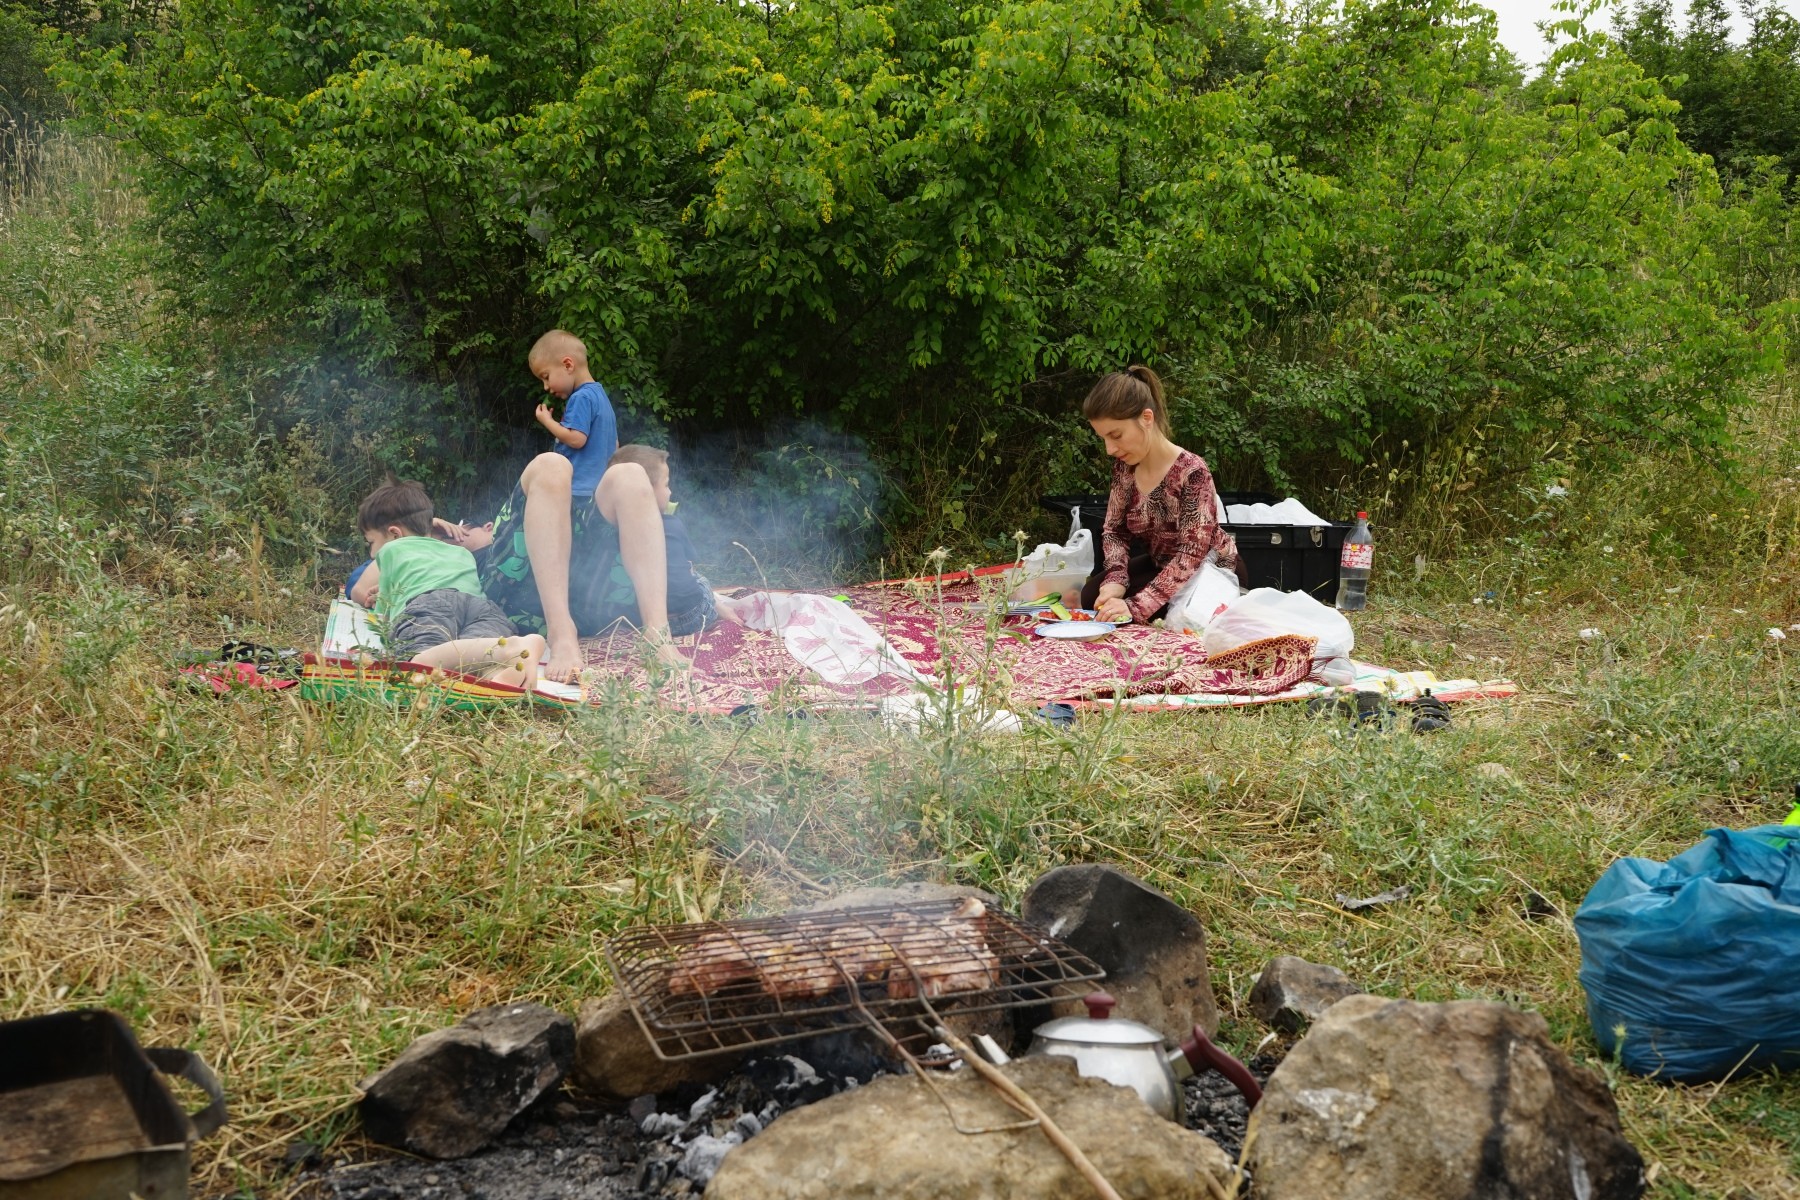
(1153, 950)
(892, 1140)
(614, 1059)
(1291, 993)
(1398, 1100)
(453, 1090)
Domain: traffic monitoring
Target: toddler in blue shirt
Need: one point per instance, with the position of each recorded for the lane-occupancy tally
(588, 433)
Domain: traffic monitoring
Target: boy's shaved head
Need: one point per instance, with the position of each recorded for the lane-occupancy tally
(555, 346)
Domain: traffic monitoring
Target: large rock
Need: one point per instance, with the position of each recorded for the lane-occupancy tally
(901, 894)
(1292, 993)
(453, 1090)
(1397, 1100)
(892, 1140)
(1153, 950)
(614, 1059)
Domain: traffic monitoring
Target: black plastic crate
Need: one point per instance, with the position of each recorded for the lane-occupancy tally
(1293, 558)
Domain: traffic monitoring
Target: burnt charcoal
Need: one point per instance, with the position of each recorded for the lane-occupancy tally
(654, 1173)
(1215, 1107)
(657, 1146)
(781, 1075)
(681, 1097)
(846, 1055)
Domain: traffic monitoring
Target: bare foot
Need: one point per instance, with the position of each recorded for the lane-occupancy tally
(520, 666)
(564, 662)
(663, 650)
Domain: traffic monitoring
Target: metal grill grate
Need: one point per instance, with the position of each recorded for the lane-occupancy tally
(719, 986)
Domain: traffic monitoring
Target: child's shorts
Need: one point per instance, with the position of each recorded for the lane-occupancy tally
(608, 598)
(601, 594)
(446, 615)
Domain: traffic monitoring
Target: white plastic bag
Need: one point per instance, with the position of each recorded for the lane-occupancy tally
(1266, 612)
(1051, 570)
(1212, 590)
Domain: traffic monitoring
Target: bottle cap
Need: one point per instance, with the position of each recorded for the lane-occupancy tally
(1362, 516)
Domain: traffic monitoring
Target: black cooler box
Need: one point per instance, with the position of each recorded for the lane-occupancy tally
(1291, 558)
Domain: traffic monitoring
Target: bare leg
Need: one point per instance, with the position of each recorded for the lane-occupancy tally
(627, 499)
(548, 538)
(509, 660)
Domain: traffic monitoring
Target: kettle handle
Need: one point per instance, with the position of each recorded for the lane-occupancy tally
(1203, 1055)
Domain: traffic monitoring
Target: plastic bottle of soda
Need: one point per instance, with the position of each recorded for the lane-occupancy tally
(1353, 567)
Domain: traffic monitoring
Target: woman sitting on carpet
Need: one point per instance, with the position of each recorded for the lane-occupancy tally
(1162, 516)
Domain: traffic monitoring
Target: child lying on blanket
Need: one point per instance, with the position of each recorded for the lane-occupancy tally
(428, 594)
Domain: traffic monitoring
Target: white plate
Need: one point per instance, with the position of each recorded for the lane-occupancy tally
(1077, 631)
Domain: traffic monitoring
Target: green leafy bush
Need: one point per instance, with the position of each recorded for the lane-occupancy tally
(1344, 235)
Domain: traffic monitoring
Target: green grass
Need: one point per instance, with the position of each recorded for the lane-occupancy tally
(297, 890)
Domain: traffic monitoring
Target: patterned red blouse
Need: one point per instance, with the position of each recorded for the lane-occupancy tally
(1178, 520)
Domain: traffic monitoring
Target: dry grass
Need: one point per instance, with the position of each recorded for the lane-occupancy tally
(296, 891)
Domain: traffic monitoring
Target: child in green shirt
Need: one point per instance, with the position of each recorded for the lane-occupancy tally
(430, 597)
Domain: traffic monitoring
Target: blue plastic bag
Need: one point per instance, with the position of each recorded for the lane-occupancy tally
(1692, 968)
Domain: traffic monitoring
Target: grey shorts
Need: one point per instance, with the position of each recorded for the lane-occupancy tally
(446, 615)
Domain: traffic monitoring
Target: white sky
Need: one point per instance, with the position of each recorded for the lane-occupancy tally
(1519, 18)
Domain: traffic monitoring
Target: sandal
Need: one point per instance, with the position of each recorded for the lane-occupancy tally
(1429, 714)
(1372, 711)
(1364, 710)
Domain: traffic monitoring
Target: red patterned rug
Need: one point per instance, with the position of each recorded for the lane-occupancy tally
(952, 634)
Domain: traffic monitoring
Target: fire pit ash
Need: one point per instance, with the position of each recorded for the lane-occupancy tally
(659, 1146)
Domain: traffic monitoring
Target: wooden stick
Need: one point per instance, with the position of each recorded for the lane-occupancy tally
(1022, 1100)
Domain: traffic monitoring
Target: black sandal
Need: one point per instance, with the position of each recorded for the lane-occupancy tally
(1364, 710)
(1430, 714)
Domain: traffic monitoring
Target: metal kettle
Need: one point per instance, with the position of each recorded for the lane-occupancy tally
(1132, 1055)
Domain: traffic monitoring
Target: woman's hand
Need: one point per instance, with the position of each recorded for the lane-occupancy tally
(1113, 609)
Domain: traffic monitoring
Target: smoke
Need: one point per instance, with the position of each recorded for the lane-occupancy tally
(794, 504)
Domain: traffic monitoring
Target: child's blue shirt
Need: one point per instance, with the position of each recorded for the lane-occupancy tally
(589, 411)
